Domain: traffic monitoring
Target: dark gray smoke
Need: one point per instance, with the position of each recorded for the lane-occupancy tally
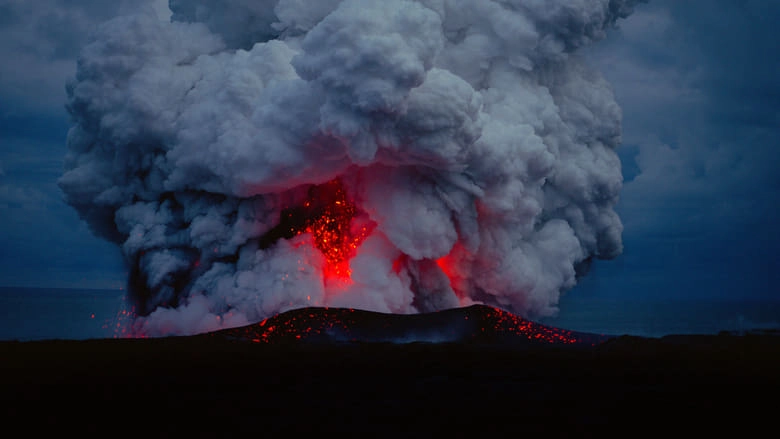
(477, 149)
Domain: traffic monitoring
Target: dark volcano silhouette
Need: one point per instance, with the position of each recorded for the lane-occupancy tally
(322, 371)
(473, 324)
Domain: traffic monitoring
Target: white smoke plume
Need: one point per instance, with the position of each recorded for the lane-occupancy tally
(476, 148)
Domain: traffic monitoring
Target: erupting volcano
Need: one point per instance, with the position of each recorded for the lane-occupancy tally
(397, 156)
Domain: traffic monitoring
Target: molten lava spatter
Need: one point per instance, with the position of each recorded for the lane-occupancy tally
(474, 324)
(329, 218)
(332, 220)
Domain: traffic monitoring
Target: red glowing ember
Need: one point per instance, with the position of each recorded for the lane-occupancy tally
(329, 219)
(332, 220)
(474, 324)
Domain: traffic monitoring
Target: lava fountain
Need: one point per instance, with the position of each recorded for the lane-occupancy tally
(327, 215)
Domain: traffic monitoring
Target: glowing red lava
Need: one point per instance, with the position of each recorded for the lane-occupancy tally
(122, 324)
(474, 324)
(330, 221)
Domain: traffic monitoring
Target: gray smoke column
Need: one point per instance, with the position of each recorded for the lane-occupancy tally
(474, 150)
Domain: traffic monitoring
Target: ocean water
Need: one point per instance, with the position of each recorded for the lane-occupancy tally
(53, 313)
(657, 317)
(39, 314)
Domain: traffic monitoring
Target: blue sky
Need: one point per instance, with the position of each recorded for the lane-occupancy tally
(699, 84)
(698, 81)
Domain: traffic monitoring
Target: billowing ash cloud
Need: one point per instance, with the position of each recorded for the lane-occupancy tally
(253, 156)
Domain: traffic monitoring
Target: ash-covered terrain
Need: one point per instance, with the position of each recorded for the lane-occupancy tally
(474, 324)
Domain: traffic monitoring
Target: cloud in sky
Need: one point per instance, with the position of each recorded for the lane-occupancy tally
(475, 119)
(40, 41)
(699, 84)
(697, 81)
(705, 113)
(43, 241)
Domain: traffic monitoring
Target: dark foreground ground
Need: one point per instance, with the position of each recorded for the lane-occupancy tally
(203, 386)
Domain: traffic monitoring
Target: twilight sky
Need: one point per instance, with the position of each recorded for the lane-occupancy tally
(698, 82)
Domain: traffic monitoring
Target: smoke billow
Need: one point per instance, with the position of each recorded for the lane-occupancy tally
(401, 156)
